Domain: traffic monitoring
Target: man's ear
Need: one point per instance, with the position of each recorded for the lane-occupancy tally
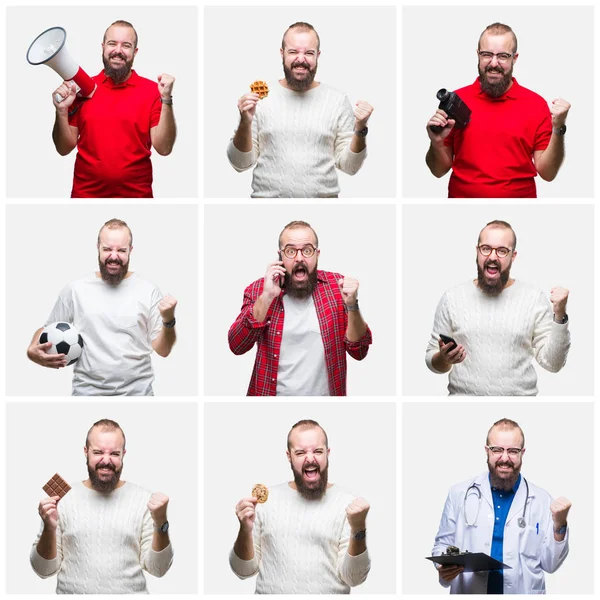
(289, 456)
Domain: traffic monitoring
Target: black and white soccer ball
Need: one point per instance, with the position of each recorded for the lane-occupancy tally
(65, 339)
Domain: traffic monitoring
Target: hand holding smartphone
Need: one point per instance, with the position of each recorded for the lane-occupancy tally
(447, 340)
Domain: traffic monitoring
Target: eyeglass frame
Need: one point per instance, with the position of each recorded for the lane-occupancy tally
(506, 58)
(494, 249)
(518, 452)
(282, 250)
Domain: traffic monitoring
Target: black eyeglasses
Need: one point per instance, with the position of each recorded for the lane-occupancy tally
(498, 450)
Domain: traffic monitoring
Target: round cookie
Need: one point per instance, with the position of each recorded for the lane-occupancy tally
(260, 492)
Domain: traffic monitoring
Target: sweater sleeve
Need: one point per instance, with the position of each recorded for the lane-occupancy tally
(353, 570)
(442, 323)
(156, 563)
(248, 568)
(46, 568)
(551, 341)
(345, 160)
(242, 161)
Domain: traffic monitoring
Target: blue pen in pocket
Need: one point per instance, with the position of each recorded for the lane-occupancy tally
(537, 529)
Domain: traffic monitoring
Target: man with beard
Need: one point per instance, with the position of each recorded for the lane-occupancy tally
(115, 129)
(309, 537)
(302, 131)
(122, 318)
(303, 321)
(499, 325)
(511, 137)
(101, 535)
(528, 532)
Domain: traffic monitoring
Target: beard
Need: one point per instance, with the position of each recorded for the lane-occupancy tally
(301, 289)
(101, 485)
(113, 279)
(117, 74)
(492, 289)
(313, 490)
(506, 481)
(299, 85)
(498, 88)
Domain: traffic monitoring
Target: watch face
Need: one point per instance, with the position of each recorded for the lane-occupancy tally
(164, 527)
(361, 535)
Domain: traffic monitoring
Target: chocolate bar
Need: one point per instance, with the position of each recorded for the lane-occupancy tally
(56, 486)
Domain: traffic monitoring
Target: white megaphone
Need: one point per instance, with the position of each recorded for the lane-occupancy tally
(49, 49)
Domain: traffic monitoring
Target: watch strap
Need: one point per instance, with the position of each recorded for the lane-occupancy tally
(362, 132)
(562, 321)
(167, 101)
(360, 535)
(353, 307)
(170, 324)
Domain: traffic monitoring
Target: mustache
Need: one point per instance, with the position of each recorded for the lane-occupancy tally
(105, 466)
(492, 263)
(301, 64)
(118, 55)
(497, 69)
(113, 261)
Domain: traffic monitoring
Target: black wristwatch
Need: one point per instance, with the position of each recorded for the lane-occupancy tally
(561, 530)
(163, 528)
(560, 131)
(362, 132)
(170, 324)
(360, 535)
(167, 101)
(564, 320)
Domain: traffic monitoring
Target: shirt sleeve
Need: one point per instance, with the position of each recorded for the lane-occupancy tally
(248, 568)
(345, 160)
(359, 349)
(242, 161)
(353, 570)
(543, 132)
(551, 341)
(46, 568)
(156, 563)
(155, 110)
(246, 330)
(442, 323)
(63, 308)
(446, 533)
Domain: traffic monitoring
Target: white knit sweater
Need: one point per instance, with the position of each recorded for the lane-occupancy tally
(501, 335)
(301, 546)
(298, 139)
(103, 543)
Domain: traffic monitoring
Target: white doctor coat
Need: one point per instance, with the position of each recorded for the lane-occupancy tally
(530, 551)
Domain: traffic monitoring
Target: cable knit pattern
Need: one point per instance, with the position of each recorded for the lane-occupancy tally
(501, 334)
(103, 543)
(298, 139)
(301, 546)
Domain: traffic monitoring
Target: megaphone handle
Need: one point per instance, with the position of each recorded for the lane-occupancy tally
(59, 98)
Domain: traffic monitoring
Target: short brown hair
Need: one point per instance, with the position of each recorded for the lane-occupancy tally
(121, 23)
(302, 26)
(306, 424)
(105, 425)
(298, 225)
(503, 225)
(116, 224)
(505, 424)
(498, 29)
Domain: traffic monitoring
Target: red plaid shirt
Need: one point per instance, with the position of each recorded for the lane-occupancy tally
(333, 322)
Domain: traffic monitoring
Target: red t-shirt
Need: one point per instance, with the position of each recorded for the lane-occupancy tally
(113, 149)
(493, 154)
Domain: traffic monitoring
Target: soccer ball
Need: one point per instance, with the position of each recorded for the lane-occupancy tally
(65, 339)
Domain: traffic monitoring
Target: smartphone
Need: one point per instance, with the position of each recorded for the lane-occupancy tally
(447, 339)
(281, 277)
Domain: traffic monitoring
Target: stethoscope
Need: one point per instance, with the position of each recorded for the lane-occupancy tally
(520, 521)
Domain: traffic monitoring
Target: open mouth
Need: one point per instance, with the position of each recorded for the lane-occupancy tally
(492, 270)
(311, 472)
(300, 273)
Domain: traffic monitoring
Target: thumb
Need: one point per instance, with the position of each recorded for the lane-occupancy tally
(340, 283)
(159, 78)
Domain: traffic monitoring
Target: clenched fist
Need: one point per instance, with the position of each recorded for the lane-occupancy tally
(362, 112)
(559, 297)
(559, 110)
(560, 509)
(349, 289)
(356, 512)
(167, 308)
(157, 505)
(48, 512)
(165, 85)
(245, 511)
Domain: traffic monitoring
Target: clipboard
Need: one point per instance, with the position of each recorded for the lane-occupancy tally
(471, 561)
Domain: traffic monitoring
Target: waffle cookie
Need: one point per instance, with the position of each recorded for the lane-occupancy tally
(261, 88)
(56, 486)
(260, 492)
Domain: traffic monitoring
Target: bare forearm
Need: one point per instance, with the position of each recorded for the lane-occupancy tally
(549, 163)
(244, 545)
(357, 327)
(62, 134)
(46, 546)
(166, 131)
(437, 160)
(242, 139)
(358, 144)
(164, 342)
(356, 547)
(160, 540)
(439, 364)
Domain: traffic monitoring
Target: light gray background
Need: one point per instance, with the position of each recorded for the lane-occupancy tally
(358, 57)
(443, 444)
(555, 246)
(556, 59)
(167, 44)
(355, 240)
(56, 244)
(245, 444)
(161, 439)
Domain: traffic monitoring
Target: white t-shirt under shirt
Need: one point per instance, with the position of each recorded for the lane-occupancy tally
(302, 370)
(103, 543)
(117, 324)
(502, 335)
(298, 141)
